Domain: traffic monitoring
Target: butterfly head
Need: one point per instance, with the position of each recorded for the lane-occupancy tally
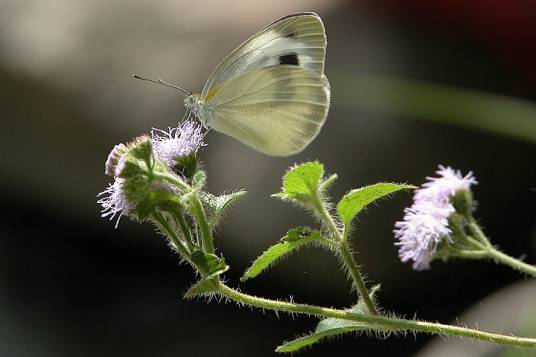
(195, 104)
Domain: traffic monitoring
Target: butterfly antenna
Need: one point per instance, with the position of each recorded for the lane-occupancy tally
(163, 83)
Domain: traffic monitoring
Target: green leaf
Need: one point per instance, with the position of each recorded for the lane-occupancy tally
(302, 181)
(208, 263)
(199, 179)
(331, 327)
(187, 166)
(354, 201)
(326, 184)
(206, 285)
(212, 267)
(217, 205)
(294, 239)
(153, 200)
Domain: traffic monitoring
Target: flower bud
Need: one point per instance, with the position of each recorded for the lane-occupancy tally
(113, 158)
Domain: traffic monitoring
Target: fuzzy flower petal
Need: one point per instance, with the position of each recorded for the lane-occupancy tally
(113, 201)
(440, 189)
(425, 223)
(184, 140)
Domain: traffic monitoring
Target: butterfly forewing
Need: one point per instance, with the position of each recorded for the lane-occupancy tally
(298, 40)
(277, 110)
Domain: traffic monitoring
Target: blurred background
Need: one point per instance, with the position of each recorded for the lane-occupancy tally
(414, 84)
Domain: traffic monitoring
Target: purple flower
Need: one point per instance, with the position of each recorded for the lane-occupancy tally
(425, 223)
(114, 201)
(176, 143)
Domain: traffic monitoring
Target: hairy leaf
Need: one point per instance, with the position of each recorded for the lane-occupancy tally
(326, 184)
(209, 264)
(206, 285)
(302, 181)
(199, 179)
(294, 239)
(153, 200)
(331, 327)
(218, 204)
(354, 201)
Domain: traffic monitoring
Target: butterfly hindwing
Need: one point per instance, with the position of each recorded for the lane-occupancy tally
(295, 40)
(277, 109)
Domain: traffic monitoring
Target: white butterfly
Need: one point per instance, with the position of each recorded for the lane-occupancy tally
(270, 92)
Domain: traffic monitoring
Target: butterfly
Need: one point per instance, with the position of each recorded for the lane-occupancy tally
(270, 92)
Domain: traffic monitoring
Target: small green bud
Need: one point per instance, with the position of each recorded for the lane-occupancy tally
(141, 148)
(463, 203)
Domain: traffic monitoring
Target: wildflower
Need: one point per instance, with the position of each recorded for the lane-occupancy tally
(124, 164)
(425, 223)
(177, 146)
(114, 201)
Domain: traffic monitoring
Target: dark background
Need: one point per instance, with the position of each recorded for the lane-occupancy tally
(72, 285)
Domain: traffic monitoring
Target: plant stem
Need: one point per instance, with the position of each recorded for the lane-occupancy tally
(350, 263)
(495, 254)
(380, 323)
(514, 263)
(345, 253)
(206, 233)
(174, 180)
(326, 217)
(163, 225)
(179, 218)
(477, 232)
(197, 210)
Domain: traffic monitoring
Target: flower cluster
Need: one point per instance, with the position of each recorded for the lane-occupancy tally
(426, 222)
(130, 165)
(114, 201)
(175, 144)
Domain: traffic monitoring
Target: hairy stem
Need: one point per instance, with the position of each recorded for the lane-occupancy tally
(164, 226)
(345, 253)
(197, 210)
(380, 323)
(206, 233)
(477, 232)
(514, 263)
(174, 180)
(324, 215)
(179, 217)
(495, 254)
(350, 263)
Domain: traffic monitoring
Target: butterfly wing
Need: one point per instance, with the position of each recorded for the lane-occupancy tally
(277, 110)
(298, 39)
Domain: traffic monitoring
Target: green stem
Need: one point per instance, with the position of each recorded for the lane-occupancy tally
(381, 323)
(326, 217)
(514, 263)
(164, 226)
(351, 264)
(179, 217)
(495, 254)
(206, 233)
(477, 232)
(197, 210)
(345, 253)
(174, 180)
(471, 254)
